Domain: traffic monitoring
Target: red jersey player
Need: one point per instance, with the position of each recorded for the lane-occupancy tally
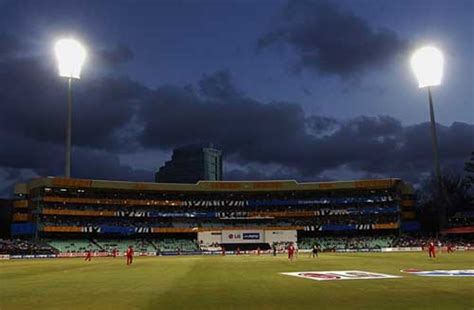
(431, 250)
(238, 251)
(88, 255)
(291, 252)
(129, 255)
(450, 248)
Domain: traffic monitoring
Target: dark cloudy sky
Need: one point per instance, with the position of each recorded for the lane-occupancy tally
(307, 90)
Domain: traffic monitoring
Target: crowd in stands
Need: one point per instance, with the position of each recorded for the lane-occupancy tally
(418, 240)
(348, 243)
(217, 223)
(369, 195)
(227, 206)
(461, 220)
(24, 247)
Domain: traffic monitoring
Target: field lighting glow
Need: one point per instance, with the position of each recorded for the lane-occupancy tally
(427, 64)
(71, 56)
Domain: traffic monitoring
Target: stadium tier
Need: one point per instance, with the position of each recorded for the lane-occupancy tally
(76, 213)
(73, 246)
(338, 243)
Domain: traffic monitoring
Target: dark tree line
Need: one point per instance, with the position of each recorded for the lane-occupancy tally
(457, 195)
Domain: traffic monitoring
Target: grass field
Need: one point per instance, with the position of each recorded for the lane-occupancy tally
(245, 282)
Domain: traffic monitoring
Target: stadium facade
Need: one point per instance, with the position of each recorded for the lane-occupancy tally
(226, 213)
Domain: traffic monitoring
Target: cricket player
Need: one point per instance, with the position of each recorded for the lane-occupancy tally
(291, 252)
(88, 255)
(432, 250)
(129, 255)
(314, 251)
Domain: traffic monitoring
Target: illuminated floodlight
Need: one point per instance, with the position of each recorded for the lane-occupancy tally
(427, 64)
(71, 56)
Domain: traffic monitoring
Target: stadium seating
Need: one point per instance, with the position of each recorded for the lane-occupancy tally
(345, 243)
(24, 247)
(73, 245)
(123, 244)
(172, 245)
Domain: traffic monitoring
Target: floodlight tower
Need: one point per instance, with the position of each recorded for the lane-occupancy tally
(71, 56)
(427, 64)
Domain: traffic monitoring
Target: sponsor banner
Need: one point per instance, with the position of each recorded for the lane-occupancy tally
(61, 255)
(4, 257)
(175, 253)
(212, 252)
(16, 256)
(242, 236)
(339, 275)
(251, 236)
(441, 273)
(33, 256)
(357, 250)
(403, 249)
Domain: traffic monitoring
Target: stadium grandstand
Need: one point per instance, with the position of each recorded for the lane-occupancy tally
(75, 215)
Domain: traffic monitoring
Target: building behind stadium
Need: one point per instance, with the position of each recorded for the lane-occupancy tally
(190, 164)
(230, 214)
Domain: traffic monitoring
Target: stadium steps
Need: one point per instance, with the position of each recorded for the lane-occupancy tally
(98, 244)
(152, 245)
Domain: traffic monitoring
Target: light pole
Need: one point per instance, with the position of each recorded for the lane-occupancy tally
(71, 56)
(427, 64)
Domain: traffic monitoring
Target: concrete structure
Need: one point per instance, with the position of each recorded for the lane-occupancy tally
(190, 164)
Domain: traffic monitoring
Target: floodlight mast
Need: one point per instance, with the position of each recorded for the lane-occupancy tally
(71, 56)
(427, 64)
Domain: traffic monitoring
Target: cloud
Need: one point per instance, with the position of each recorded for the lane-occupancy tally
(117, 55)
(115, 116)
(218, 86)
(9, 45)
(33, 103)
(328, 40)
(280, 133)
(33, 113)
(23, 158)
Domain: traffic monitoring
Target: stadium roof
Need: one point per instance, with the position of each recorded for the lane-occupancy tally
(208, 186)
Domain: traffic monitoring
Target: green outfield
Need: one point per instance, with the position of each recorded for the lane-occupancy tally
(245, 282)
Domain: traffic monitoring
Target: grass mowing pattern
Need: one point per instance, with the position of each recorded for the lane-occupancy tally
(230, 282)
